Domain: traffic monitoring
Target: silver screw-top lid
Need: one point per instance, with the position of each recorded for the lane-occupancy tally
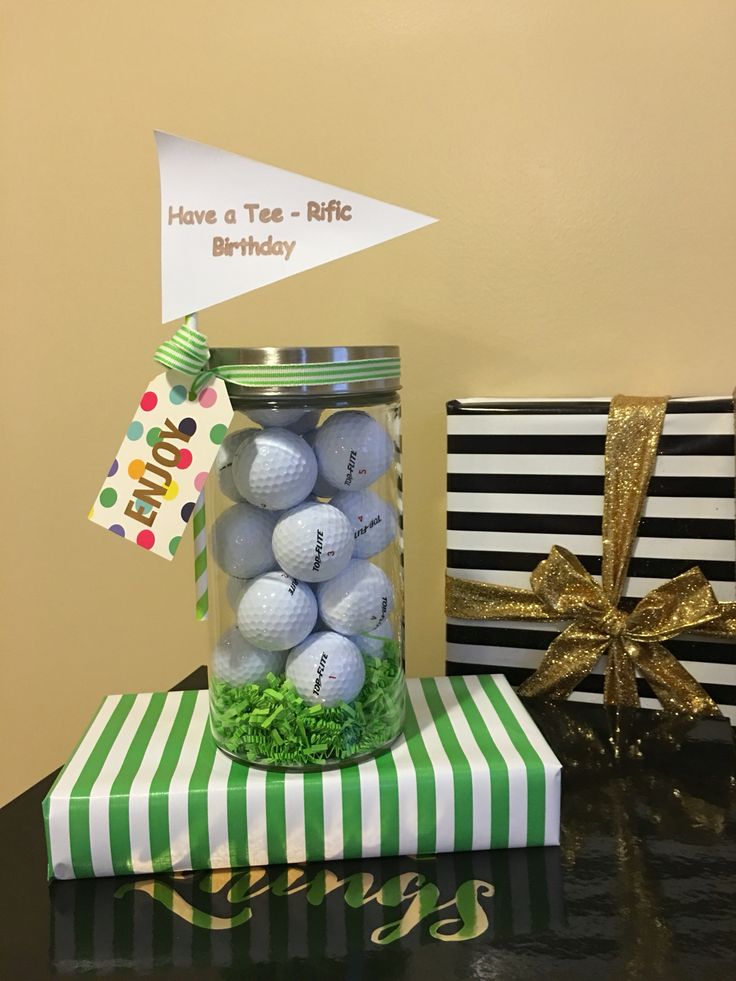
(297, 371)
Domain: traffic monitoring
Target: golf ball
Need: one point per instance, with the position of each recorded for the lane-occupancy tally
(274, 469)
(297, 420)
(358, 600)
(237, 662)
(313, 541)
(326, 669)
(321, 487)
(373, 521)
(241, 541)
(276, 611)
(353, 450)
(371, 642)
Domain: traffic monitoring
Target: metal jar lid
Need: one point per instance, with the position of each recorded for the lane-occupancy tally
(298, 371)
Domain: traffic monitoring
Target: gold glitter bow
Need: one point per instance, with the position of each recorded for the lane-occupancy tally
(563, 590)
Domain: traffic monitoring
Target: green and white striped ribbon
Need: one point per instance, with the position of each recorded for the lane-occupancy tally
(319, 373)
(187, 351)
(146, 790)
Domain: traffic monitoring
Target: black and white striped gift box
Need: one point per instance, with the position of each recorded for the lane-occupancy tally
(524, 475)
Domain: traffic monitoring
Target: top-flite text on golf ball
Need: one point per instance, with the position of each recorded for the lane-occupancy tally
(353, 450)
(326, 669)
(313, 541)
(373, 520)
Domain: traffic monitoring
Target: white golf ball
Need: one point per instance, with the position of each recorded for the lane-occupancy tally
(321, 487)
(371, 642)
(326, 669)
(356, 601)
(241, 541)
(373, 520)
(237, 662)
(274, 469)
(313, 541)
(297, 420)
(353, 450)
(276, 612)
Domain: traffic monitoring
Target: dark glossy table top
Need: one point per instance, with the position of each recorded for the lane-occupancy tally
(643, 886)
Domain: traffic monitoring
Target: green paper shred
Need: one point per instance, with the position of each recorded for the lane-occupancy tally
(274, 725)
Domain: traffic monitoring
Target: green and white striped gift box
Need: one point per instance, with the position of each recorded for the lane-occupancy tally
(147, 791)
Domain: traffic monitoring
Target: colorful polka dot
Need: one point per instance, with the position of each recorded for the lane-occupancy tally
(136, 469)
(207, 398)
(171, 491)
(135, 430)
(152, 435)
(218, 433)
(113, 469)
(188, 426)
(108, 497)
(186, 511)
(177, 394)
(185, 459)
(201, 479)
(118, 530)
(146, 538)
(145, 507)
(174, 544)
(149, 401)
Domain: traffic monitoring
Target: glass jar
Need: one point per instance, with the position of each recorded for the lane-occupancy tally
(304, 558)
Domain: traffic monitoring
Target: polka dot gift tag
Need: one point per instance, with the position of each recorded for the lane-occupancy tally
(163, 462)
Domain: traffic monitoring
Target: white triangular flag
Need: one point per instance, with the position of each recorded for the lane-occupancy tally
(230, 225)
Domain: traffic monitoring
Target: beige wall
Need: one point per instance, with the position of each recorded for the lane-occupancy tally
(579, 155)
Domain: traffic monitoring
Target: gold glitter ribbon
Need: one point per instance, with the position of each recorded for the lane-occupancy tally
(562, 589)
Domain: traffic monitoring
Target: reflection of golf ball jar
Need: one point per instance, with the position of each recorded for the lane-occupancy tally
(274, 469)
(353, 450)
(356, 601)
(313, 541)
(373, 520)
(326, 669)
(237, 662)
(302, 582)
(241, 541)
(276, 612)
